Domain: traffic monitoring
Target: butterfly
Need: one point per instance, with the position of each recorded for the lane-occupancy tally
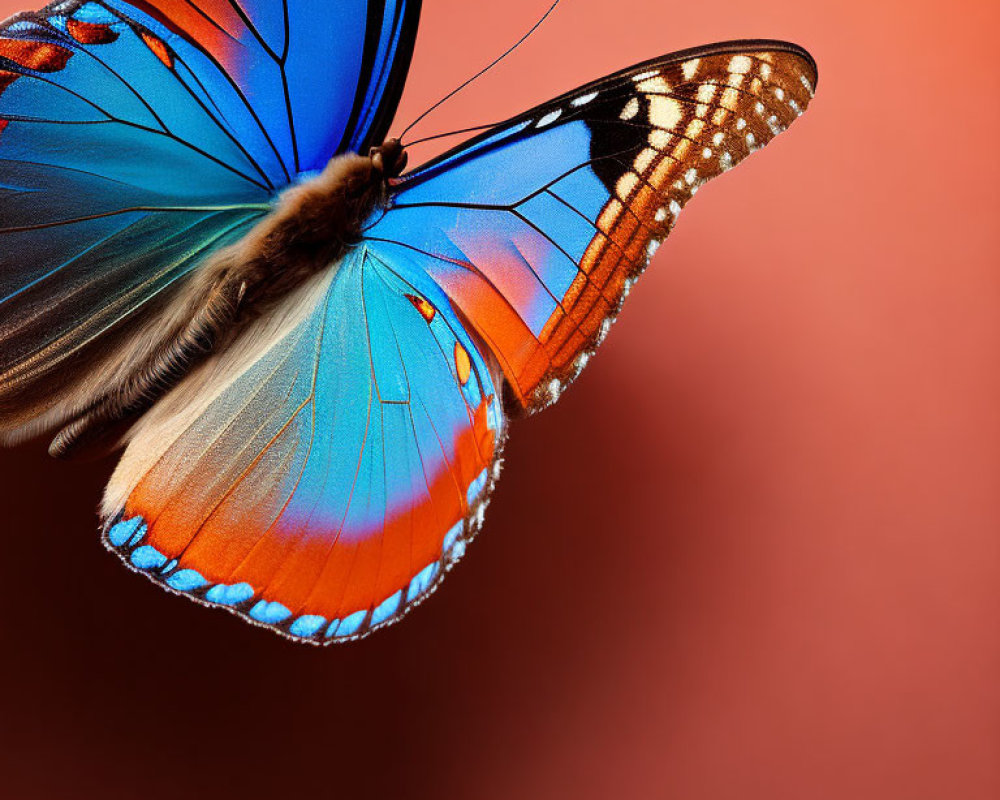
(211, 256)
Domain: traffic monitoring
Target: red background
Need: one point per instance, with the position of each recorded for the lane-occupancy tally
(753, 553)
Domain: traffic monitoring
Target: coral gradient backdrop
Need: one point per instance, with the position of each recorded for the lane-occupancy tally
(754, 552)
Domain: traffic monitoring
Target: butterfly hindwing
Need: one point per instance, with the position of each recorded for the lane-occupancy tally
(537, 229)
(138, 138)
(321, 476)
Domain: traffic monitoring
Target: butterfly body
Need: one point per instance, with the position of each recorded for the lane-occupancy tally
(310, 228)
(312, 368)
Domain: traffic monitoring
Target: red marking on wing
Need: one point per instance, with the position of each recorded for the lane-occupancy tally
(158, 47)
(37, 56)
(6, 79)
(89, 32)
(320, 571)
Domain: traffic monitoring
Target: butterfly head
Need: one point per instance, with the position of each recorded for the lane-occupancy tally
(389, 160)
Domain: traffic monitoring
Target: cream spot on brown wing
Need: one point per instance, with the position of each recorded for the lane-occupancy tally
(665, 112)
(694, 129)
(626, 185)
(654, 85)
(659, 138)
(645, 158)
(740, 64)
(630, 110)
(606, 221)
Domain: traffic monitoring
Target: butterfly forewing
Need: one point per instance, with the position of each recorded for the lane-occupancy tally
(538, 228)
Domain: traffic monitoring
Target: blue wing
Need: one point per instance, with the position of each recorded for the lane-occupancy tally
(321, 476)
(537, 229)
(138, 138)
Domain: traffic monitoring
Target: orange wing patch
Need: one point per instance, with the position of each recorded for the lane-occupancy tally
(159, 48)
(37, 56)
(89, 32)
(462, 364)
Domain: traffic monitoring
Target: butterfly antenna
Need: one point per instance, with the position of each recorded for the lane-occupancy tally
(481, 72)
(434, 136)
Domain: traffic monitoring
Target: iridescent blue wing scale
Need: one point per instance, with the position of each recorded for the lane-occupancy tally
(321, 476)
(138, 138)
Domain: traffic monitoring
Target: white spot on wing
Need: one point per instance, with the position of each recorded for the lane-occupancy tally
(583, 99)
(706, 92)
(649, 73)
(549, 118)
